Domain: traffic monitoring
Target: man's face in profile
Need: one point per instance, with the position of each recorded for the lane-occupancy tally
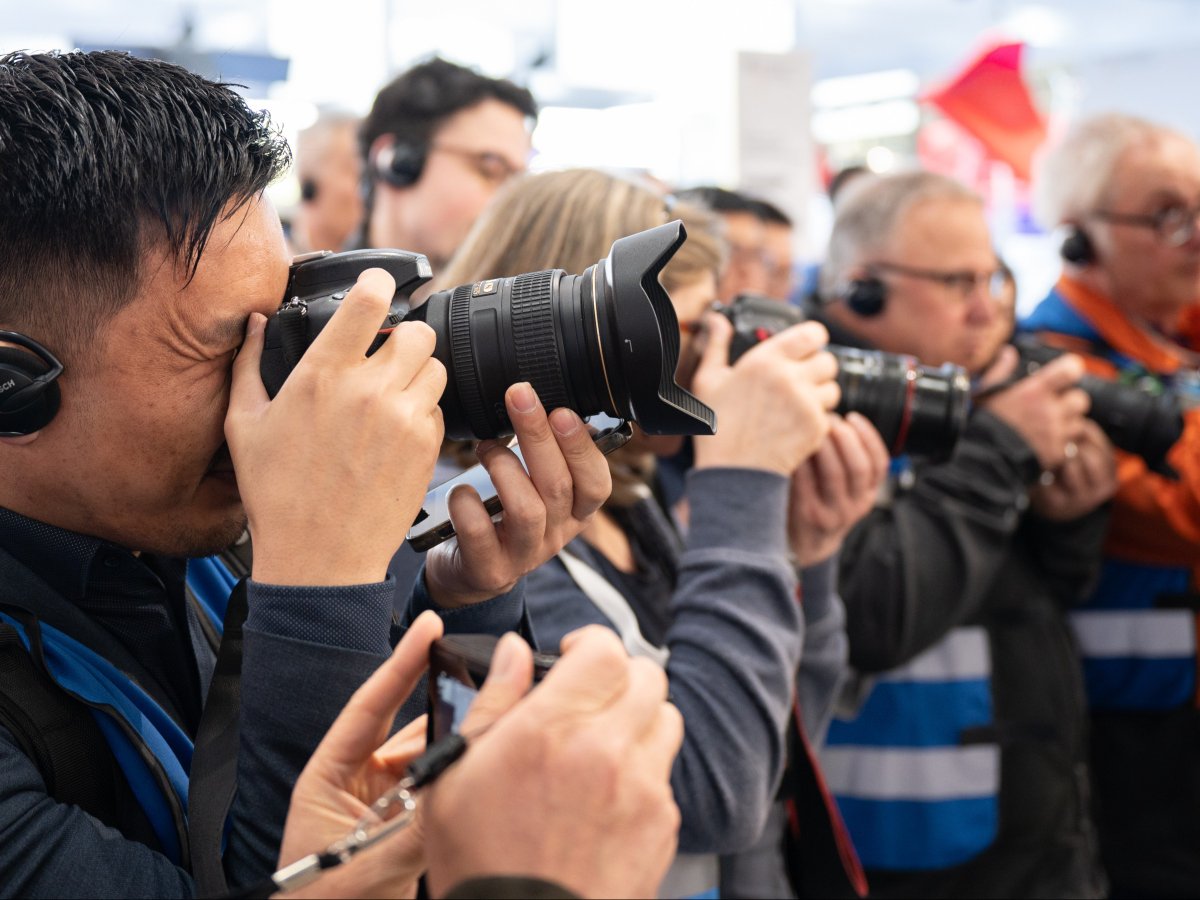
(471, 155)
(138, 446)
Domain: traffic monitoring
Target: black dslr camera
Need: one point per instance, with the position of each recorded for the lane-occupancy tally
(606, 341)
(917, 409)
(1135, 419)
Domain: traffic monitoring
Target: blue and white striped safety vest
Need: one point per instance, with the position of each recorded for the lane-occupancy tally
(916, 769)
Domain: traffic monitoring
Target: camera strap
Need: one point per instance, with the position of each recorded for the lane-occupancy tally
(213, 777)
(614, 606)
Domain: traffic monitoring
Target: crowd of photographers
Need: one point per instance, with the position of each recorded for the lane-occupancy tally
(919, 618)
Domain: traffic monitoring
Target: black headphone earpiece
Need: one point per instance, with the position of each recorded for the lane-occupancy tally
(1078, 247)
(865, 296)
(29, 392)
(400, 163)
(308, 190)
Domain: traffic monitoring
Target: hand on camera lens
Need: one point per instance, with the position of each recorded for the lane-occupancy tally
(572, 782)
(773, 405)
(1046, 408)
(835, 487)
(355, 764)
(1084, 480)
(332, 472)
(567, 481)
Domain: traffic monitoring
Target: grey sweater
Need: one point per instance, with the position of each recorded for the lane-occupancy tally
(735, 637)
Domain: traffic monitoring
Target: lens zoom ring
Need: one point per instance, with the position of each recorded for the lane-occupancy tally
(463, 361)
(533, 337)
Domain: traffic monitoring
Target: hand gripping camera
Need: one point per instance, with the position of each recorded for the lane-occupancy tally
(917, 409)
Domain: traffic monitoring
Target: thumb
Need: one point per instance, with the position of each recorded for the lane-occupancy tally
(247, 391)
(1002, 368)
(509, 679)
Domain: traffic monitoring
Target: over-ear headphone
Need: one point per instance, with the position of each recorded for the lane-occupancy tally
(400, 163)
(29, 393)
(1078, 247)
(865, 296)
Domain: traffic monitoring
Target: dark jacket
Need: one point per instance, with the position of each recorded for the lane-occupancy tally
(306, 650)
(955, 545)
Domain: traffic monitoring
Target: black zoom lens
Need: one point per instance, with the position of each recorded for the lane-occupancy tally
(915, 408)
(604, 341)
(1139, 422)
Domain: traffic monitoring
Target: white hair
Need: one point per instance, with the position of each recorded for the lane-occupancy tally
(1074, 178)
(871, 211)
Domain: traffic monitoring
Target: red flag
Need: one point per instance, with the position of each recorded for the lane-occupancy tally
(990, 100)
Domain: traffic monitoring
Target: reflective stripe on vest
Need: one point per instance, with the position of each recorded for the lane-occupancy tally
(914, 797)
(1137, 659)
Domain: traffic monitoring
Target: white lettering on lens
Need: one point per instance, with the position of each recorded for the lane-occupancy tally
(8, 384)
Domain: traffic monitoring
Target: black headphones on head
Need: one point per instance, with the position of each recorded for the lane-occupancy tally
(1078, 247)
(29, 392)
(400, 163)
(864, 296)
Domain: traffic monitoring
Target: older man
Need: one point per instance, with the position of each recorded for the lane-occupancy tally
(960, 760)
(1129, 298)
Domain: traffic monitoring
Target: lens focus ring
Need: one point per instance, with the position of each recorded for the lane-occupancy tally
(533, 337)
(465, 378)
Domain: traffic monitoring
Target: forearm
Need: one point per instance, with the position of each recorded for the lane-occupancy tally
(735, 641)
(824, 659)
(306, 651)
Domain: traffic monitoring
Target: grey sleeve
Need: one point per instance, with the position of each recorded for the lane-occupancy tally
(735, 643)
(50, 849)
(735, 640)
(824, 658)
(915, 569)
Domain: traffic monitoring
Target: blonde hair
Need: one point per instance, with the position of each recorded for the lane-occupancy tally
(1075, 177)
(569, 220)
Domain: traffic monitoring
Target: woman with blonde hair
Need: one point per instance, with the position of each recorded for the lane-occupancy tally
(717, 608)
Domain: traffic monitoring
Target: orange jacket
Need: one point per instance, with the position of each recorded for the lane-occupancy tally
(1156, 519)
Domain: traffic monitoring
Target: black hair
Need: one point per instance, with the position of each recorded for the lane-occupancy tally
(102, 157)
(719, 200)
(770, 213)
(414, 104)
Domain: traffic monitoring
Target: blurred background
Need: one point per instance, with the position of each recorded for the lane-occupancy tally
(770, 96)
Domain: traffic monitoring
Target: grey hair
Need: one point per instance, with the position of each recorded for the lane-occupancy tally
(870, 213)
(312, 141)
(1075, 177)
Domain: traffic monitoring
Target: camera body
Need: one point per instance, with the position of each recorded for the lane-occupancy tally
(917, 409)
(458, 665)
(605, 341)
(1136, 419)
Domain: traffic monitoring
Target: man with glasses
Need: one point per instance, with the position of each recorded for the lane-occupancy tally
(1129, 298)
(439, 141)
(958, 755)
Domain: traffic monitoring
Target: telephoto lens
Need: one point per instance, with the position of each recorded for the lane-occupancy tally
(604, 341)
(917, 409)
(1135, 419)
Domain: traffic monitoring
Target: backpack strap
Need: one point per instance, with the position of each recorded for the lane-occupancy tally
(60, 736)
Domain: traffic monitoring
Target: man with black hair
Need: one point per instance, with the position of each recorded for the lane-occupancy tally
(138, 262)
(745, 270)
(777, 243)
(439, 141)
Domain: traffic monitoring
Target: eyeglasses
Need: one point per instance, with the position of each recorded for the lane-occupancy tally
(1174, 225)
(963, 282)
(490, 165)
